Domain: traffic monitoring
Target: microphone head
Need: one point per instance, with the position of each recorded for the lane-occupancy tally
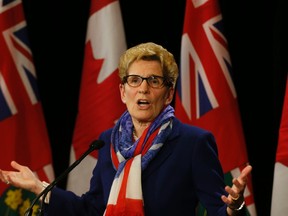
(97, 144)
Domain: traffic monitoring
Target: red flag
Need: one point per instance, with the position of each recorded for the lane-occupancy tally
(100, 105)
(23, 134)
(205, 94)
(280, 191)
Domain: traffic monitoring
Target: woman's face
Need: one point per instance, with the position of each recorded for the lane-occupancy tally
(144, 103)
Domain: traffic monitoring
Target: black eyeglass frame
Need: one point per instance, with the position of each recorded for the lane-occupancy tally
(165, 81)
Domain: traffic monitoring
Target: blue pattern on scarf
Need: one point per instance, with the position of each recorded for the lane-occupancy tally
(122, 139)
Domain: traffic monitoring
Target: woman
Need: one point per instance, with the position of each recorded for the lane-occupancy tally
(152, 164)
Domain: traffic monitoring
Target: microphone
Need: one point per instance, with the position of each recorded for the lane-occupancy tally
(96, 144)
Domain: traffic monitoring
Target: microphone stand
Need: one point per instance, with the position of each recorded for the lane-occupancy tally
(96, 144)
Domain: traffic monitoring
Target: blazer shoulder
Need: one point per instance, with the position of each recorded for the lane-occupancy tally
(184, 128)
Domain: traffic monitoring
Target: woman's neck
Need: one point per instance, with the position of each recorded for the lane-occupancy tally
(139, 128)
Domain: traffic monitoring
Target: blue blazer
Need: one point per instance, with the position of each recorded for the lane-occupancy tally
(185, 171)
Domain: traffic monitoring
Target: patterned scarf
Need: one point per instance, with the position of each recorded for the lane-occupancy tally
(131, 158)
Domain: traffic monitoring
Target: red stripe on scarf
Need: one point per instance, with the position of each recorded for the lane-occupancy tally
(147, 145)
(125, 206)
(134, 208)
(114, 157)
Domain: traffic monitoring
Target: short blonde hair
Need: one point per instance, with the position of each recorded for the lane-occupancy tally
(150, 52)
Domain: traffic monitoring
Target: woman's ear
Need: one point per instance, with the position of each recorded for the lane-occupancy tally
(170, 94)
(122, 93)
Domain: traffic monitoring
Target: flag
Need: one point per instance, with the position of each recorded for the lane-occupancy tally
(205, 94)
(100, 104)
(23, 134)
(280, 191)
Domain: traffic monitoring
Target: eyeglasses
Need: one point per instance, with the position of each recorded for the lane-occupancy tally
(136, 80)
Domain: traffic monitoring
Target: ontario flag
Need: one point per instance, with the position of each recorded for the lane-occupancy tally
(99, 104)
(23, 134)
(205, 94)
(280, 191)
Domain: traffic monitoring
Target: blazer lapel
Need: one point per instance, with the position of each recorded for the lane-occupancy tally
(163, 154)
